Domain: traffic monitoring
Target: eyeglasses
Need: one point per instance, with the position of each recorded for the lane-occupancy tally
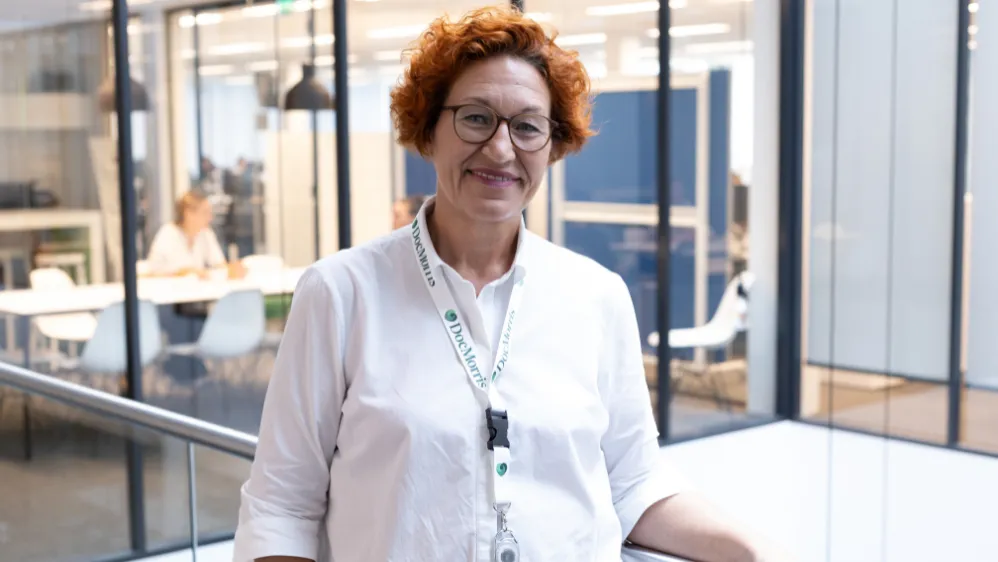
(476, 124)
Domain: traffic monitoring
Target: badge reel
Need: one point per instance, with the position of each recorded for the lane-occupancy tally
(507, 549)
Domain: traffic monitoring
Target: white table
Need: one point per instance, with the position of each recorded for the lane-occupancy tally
(28, 303)
(25, 304)
(26, 220)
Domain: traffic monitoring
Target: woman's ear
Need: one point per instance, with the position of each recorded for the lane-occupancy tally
(556, 154)
(427, 151)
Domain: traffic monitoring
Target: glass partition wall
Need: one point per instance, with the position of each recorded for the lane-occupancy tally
(212, 86)
(610, 212)
(897, 314)
(977, 429)
(235, 139)
(213, 112)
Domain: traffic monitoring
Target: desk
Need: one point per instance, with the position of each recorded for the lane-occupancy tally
(24, 220)
(25, 304)
(28, 303)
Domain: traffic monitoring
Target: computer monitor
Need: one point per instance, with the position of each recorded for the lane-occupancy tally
(17, 195)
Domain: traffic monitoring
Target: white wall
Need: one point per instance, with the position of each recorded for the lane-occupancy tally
(882, 170)
(982, 361)
(288, 203)
(762, 135)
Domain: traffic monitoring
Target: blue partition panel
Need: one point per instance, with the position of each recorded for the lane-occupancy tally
(618, 164)
(719, 180)
(420, 177)
(630, 251)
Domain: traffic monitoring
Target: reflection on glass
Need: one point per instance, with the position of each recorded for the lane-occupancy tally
(710, 132)
(219, 479)
(70, 500)
(979, 417)
(630, 251)
(881, 219)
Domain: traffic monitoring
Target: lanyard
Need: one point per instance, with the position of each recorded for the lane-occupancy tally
(464, 346)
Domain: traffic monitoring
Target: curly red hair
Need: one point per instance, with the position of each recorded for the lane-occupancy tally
(447, 48)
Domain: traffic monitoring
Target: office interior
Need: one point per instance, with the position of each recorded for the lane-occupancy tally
(825, 163)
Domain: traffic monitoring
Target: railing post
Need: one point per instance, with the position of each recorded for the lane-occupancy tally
(126, 191)
(956, 382)
(192, 498)
(790, 213)
(340, 69)
(664, 373)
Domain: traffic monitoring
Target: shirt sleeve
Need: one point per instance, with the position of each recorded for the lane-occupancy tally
(161, 252)
(284, 501)
(639, 476)
(216, 256)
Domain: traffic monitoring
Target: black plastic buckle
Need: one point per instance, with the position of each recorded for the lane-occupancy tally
(742, 292)
(498, 423)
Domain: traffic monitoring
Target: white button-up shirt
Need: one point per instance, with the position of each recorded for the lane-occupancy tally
(171, 251)
(373, 439)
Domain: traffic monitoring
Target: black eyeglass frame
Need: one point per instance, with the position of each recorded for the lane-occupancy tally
(499, 121)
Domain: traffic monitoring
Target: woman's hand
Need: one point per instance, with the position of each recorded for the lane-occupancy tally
(237, 270)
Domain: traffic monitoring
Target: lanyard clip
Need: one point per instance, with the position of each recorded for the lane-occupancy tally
(498, 424)
(501, 510)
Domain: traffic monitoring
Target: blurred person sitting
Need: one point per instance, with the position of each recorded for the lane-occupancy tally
(404, 210)
(188, 245)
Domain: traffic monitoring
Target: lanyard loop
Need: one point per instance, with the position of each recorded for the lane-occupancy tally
(496, 417)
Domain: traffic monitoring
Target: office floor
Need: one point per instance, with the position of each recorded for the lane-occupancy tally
(837, 496)
(834, 496)
(70, 501)
(915, 410)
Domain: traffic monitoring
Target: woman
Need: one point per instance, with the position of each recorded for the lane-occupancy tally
(404, 210)
(463, 389)
(189, 245)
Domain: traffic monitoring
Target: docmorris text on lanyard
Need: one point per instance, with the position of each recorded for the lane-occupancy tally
(466, 351)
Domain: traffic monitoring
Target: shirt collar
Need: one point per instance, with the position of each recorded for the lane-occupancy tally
(422, 235)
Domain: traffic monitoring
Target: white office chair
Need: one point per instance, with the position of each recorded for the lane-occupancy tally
(7, 258)
(76, 327)
(730, 319)
(106, 352)
(104, 359)
(234, 328)
(260, 267)
(77, 261)
(262, 264)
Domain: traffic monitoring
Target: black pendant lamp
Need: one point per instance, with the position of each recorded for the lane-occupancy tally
(107, 98)
(308, 93)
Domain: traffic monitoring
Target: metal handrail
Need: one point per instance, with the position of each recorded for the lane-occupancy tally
(130, 411)
(176, 425)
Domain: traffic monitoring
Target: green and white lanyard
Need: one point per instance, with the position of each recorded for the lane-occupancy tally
(469, 358)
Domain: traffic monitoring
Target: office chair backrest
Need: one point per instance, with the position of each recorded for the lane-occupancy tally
(235, 326)
(106, 351)
(50, 278)
(262, 265)
(732, 311)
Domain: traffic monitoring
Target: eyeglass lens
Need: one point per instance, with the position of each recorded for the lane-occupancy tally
(477, 124)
